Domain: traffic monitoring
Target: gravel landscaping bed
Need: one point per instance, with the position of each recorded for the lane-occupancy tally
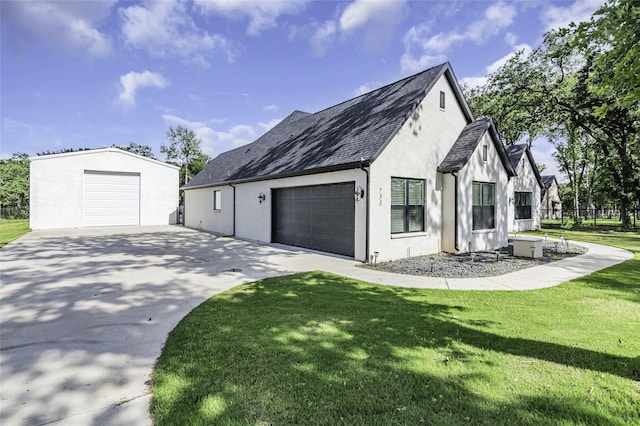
(481, 264)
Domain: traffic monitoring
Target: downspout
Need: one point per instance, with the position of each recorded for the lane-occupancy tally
(233, 234)
(366, 220)
(455, 215)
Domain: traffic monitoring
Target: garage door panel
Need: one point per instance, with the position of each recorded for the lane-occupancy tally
(323, 217)
(111, 199)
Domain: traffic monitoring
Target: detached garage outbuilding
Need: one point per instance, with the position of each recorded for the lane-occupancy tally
(101, 187)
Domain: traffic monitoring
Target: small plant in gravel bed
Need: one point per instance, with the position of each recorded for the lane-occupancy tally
(482, 264)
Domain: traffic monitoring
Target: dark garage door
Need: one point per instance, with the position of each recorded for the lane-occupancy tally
(318, 217)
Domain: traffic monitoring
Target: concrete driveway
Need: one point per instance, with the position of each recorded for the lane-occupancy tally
(84, 313)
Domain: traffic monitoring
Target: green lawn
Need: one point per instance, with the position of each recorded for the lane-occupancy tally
(12, 229)
(316, 348)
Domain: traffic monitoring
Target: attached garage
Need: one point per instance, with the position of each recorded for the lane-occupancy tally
(320, 217)
(102, 187)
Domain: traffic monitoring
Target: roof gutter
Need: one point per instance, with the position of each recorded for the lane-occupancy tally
(366, 220)
(455, 216)
(233, 230)
(335, 168)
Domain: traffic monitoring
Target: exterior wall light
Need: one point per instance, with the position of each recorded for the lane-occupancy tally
(359, 194)
(262, 198)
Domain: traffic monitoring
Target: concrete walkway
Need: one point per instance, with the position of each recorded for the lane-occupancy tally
(84, 312)
(598, 257)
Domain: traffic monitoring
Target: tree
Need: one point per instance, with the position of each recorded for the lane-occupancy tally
(62, 151)
(185, 151)
(14, 182)
(613, 37)
(566, 85)
(144, 150)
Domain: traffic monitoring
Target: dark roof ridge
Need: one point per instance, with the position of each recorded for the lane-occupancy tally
(442, 65)
(519, 150)
(468, 140)
(337, 137)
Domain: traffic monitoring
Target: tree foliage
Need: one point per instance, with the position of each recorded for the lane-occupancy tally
(613, 38)
(61, 151)
(14, 181)
(566, 90)
(143, 150)
(184, 150)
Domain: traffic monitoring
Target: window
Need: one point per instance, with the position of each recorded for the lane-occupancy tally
(484, 153)
(442, 100)
(217, 200)
(522, 202)
(407, 205)
(483, 205)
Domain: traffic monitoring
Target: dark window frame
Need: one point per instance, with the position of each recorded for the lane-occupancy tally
(411, 210)
(522, 203)
(483, 206)
(442, 100)
(217, 200)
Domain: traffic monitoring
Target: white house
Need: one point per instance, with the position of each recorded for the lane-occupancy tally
(551, 204)
(524, 190)
(101, 187)
(401, 171)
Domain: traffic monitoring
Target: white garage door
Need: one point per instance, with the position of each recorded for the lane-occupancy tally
(111, 199)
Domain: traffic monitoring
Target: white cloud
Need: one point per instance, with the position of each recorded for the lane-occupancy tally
(495, 66)
(271, 108)
(216, 141)
(166, 28)
(262, 14)
(322, 37)
(360, 12)
(364, 88)
(423, 49)
(70, 26)
(511, 39)
(132, 81)
(473, 82)
(555, 17)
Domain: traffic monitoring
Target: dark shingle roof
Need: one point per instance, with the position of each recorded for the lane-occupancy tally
(515, 154)
(465, 145)
(334, 138)
(547, 181)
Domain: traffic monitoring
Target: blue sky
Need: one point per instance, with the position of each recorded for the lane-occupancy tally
(89, 74)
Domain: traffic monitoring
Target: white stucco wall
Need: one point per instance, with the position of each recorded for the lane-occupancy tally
(56, 186)
(547, 205)
(253, 219)
(480, 171)
(415, 152)
(525, 181)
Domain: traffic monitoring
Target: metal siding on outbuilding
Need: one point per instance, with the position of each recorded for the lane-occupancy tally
(319, 217)
(111, 199)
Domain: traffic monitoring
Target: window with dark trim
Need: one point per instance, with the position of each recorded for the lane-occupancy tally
(484, 153)
(522, 202)
(407, 205)
(442, 99)
(484, 198)
(217, 200)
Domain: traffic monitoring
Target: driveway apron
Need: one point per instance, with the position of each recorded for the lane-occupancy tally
(84, 314)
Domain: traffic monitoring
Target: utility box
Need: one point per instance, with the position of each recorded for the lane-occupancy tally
(526, 246)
